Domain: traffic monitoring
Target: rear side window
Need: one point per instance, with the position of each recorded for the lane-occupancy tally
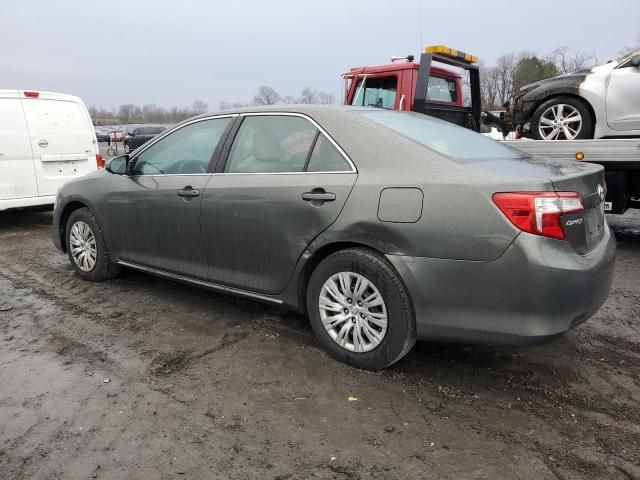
(376, 92)
(326, 158)
(443, 137)
(187, 150)
(442, 90)
(51, 116)
(271, 144)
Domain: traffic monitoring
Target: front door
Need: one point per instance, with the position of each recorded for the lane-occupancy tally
(154, 213)
(623, 98)
(283, 183)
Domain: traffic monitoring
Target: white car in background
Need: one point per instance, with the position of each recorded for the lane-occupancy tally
(46, 139)
(600, 102)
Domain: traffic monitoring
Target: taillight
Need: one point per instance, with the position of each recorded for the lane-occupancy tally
(539, 212)
(31, 94)
(99, 161)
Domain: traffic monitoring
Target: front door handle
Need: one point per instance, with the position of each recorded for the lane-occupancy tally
(318, 194)
(188, 192)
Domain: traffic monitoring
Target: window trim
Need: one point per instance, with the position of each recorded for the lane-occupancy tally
(169, 131)
(222, 161)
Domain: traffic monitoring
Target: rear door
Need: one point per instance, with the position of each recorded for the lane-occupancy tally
(17, 175)
(284, 182)
(62, 139)
(623, 98)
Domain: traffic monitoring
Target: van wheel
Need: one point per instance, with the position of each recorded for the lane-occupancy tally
(86, 247)
(360, 310)
(562, 118)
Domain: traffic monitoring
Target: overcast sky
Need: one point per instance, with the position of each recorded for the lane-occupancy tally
(169, 53)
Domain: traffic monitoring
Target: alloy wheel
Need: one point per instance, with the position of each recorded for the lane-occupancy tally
(353, 312)
(560, 121)
(82, 244)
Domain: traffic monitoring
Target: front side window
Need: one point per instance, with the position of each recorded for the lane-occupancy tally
(186, 150)
(377, 92)
(271, 144)
(442, 90)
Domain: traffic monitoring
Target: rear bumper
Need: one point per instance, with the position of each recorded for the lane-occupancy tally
(27, 202)
(537, 290)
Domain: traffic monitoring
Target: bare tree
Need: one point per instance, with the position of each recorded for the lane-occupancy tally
(568, 60)
(505, 69)
(325, 98)
(289, 99)
(266, 96)
(308, 95)
(198, 106)
(488, 86)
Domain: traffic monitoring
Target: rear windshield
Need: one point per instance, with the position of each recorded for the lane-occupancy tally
(443, 137)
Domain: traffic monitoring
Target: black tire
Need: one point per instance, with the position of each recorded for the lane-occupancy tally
(104, 268)
(400, 335)
(588, 122)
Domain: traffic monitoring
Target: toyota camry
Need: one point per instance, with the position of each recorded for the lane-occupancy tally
(383, 227)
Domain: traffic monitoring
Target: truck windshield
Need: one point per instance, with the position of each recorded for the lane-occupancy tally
(443, 137)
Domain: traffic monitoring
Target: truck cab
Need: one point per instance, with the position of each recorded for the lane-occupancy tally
(420, 87)
(393, 86)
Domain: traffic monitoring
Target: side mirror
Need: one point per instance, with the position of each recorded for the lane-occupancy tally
(117, 165)
(635, 60)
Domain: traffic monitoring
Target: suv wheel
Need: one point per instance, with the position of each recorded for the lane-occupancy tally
(360, 310)
(86, 247)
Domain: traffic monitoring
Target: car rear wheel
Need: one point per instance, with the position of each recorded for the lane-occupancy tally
(360, 310)
(86, 247)
(562, 118)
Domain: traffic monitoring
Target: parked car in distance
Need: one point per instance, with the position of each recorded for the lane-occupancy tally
(599, 102)
(140, 136)
(383, 226)
(102, 134)
(46, 138)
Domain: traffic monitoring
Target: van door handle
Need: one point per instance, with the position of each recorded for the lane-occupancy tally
(188, 192)
(318, 194)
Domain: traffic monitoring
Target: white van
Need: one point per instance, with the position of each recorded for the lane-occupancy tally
(45, 139)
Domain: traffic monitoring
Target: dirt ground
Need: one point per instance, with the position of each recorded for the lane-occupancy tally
(143, 378)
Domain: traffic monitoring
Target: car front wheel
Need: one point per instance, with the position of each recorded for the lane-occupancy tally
(86, 247)
(562, 118)
(360, 310)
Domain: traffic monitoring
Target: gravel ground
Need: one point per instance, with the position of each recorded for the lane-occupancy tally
(144, 378)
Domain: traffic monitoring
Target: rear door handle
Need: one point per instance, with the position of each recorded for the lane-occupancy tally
(189, 192)
(318, 195)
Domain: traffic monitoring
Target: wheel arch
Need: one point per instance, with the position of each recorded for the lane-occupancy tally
(66, 212)
(314, 258)
(569, 94)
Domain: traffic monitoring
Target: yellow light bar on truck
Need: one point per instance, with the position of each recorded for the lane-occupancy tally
(452, 53)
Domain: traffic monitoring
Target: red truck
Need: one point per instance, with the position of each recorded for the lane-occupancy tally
(420, 87)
